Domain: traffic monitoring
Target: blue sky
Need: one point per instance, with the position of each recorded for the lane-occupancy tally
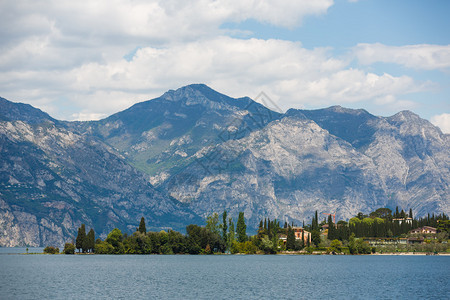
(89, 59)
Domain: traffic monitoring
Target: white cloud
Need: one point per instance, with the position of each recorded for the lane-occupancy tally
(424, 57)
(292, 75)
(87, 116)
(442, 121)
(67, 57)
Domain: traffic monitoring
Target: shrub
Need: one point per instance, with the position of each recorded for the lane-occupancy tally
(51, 250)
(69, 248)
(104, 247)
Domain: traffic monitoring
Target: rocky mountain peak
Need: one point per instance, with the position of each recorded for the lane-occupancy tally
(12, 111)
(195, 93)
(405, 116)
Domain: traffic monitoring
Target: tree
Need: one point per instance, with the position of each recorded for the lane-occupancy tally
(335, 247)
(231, 232)
(315, 221)
(90, 240)
(331, 229)
(81, 238)
(241, 228)
(384, 213)
(51, 250)
(212, 223)
(290, 240)
(69, 248)
(315, 237)
(200, 237)
(103, 247)
(142, 228)
(224, 227)
(410, 213)
(114, 238)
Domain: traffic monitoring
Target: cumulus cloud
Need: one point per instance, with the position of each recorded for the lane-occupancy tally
(424, 57)
(99, 57)
(292, 75)
(442, 121)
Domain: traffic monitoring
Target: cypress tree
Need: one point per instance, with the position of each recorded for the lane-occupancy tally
(330, 228)
(81, 238)
(316, 225)
(410, 213)
(90, 240)
(290, 240)
(224, 227)
(230, 232)
(241, 228)
(142, 228)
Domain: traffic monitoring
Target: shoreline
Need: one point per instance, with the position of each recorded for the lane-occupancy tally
(281, 253)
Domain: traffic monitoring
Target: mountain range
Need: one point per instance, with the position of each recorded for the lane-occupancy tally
(178, 158)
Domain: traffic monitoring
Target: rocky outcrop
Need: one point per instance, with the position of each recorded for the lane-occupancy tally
(53, 179)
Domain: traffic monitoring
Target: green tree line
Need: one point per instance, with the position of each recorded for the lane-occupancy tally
(220, 235)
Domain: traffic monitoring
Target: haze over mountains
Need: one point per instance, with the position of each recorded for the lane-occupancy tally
(191, 152)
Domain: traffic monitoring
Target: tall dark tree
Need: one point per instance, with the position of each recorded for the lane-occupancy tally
(81, 238)
(290, 240)
(241, 228)
(315, 237)
(410, 213)
(224, 227)
(316, 221)
(331, 229)
(142, 228)
(231, 232)
(90, 240)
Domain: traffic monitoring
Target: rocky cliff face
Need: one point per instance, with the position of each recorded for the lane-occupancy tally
(207, 152)
(161, 136)
(412, 157)
(53, 179)
(286, 171)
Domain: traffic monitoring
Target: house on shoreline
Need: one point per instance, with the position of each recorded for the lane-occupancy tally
(424, 230)
(299, 232)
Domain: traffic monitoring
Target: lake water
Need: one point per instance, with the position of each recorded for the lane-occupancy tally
(223, 277)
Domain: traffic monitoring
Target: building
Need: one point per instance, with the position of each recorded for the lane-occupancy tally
(298, 232)
(384, 241)
(415, 240)
(424, 229)
(406, 220)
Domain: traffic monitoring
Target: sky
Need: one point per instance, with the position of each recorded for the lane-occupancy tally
(85, 60)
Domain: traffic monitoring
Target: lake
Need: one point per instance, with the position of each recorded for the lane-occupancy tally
(222, 277)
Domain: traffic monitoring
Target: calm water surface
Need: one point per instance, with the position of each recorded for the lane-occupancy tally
(223, 277)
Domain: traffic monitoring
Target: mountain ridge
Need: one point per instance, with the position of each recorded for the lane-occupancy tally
(194, 151)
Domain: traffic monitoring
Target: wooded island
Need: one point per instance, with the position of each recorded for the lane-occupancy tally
(381, 231)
